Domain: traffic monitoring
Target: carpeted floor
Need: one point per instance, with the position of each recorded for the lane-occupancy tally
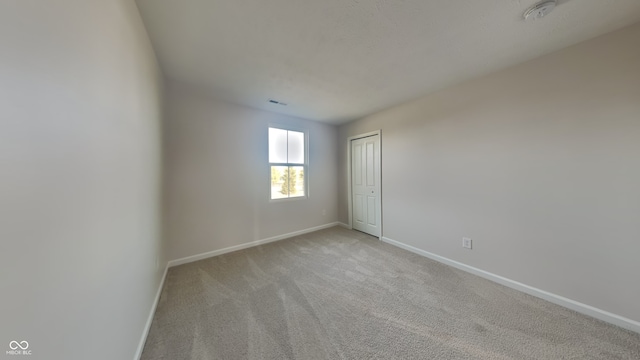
(341, 294)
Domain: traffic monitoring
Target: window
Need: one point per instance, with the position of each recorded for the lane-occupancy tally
(287, 160)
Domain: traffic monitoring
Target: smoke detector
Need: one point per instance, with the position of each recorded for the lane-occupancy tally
(540, 10)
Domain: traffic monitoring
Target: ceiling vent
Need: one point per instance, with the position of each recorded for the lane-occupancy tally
(540, 10)
(277, 102)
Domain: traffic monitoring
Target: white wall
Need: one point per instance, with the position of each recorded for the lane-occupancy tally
(539, 164)
(80, 170)
(217, 175)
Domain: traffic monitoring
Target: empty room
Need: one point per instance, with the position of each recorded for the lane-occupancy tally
(338, 179)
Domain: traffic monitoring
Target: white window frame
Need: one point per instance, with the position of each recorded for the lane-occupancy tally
(305, 166)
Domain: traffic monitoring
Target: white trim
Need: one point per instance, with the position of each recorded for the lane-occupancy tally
(152, 312)
(545, 295)
(349, 199)
(189, 259)
(346, 226)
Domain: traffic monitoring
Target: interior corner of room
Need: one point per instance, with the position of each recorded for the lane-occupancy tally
(124, 154)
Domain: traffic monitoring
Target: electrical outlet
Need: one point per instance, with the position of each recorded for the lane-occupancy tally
(466, 243)
(324, 212)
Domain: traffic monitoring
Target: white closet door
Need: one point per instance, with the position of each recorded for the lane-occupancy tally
(365, 184)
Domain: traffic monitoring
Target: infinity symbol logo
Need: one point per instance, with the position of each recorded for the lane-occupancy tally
(22, 345)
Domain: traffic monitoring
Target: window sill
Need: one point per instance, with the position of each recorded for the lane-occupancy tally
(297, 198)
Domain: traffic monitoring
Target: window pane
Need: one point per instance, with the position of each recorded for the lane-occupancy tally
(296, 181)
(278, 176)
(277, 145)
(296, 147)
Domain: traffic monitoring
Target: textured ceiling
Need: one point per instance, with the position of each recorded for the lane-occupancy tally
(338, 60)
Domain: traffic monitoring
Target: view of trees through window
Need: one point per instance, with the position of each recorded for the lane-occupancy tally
(287, 181)
(287, 160)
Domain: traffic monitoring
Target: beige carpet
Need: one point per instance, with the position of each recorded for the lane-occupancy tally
(340, 294)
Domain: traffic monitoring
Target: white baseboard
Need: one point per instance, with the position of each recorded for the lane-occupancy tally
(346, 226)
(545, 295)
(145, 332)
(188, 259)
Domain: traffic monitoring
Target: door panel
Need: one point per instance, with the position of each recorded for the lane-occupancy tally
(358, 164)
(365, 184)
(371, 210)
(358, 209)
(370, 167)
